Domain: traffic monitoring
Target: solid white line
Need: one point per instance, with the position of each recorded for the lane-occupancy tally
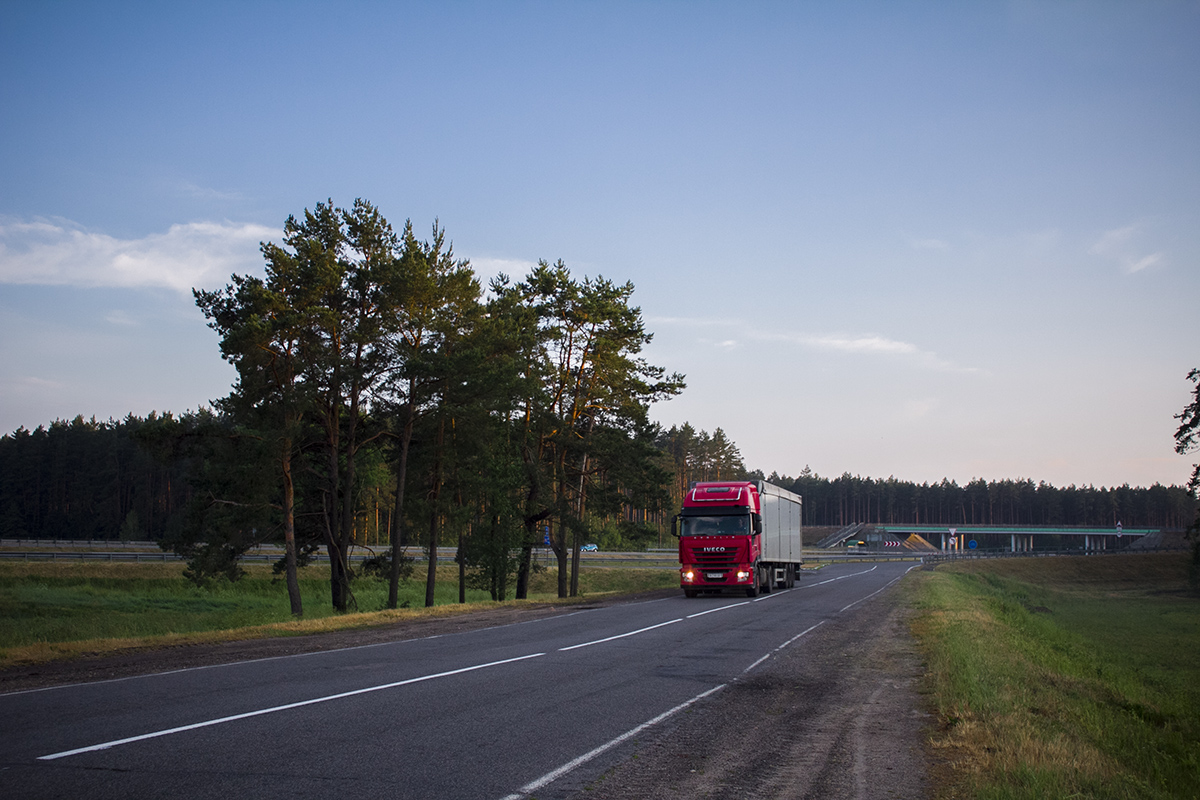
(619, 636)
(785, 644)
(554, 775)
(714, 610)
(260, 712)
(756, 663)
(841, 577)
(886, 585)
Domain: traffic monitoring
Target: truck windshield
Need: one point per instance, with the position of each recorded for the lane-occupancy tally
(715, 526)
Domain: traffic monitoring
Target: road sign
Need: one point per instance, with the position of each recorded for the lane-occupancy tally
(972, 544)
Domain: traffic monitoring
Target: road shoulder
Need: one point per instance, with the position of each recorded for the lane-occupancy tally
(836, 715)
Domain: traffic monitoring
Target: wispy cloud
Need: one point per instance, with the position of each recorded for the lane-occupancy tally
(859, 344)
(872, 345)
(863, 345)
(1120, 245)
(119, 317)
(59, 252)
(927, 243)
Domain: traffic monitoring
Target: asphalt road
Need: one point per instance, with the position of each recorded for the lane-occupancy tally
(526, 710)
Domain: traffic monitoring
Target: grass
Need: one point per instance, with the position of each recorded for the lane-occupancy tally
(54, 610)
(1064, 677)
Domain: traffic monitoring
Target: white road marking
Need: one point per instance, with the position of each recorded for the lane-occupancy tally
(719, 608)
(619, 636)
(273, 709)
(554, 775)
(886, 585)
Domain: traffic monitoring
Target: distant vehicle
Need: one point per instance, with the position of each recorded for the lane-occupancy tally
(589, 548)
(856, 543)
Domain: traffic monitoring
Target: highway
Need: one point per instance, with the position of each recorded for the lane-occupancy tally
(535, 709)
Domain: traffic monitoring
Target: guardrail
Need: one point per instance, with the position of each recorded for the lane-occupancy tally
(969, 555)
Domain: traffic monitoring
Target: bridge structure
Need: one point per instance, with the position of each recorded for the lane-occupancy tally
(1017, 538)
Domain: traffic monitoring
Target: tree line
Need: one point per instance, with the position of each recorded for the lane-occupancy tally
(381, 397)
(384, 400)
(850, 499)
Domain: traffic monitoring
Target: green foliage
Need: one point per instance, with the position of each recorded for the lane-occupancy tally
(54, 603)
(1187, 438)
(81, 479)
(1061, 678)
(380, 567)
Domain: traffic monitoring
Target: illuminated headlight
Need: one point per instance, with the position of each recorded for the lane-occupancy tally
(743, 575)
(689, 576)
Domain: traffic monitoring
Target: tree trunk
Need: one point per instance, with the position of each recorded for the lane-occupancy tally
(462, 570)
(398, 537)
(575, 543)
(289, 531)
(526, 565)
(434, 490)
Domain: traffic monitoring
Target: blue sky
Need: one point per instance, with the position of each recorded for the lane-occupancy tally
(915, 239)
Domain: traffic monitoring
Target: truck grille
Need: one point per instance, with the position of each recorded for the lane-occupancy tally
(703, 560)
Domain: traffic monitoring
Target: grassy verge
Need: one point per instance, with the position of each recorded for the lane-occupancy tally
(54, 610)
(1063, 677)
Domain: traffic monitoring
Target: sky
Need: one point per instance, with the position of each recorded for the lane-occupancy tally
(915, 239)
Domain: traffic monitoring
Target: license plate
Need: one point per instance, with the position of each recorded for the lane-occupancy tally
(714, 576)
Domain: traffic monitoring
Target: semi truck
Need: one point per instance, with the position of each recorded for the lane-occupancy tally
(738, 535)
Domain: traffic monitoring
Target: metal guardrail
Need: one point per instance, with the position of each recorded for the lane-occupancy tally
(971, 555)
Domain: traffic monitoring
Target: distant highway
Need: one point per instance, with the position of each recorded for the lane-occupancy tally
(511, 712)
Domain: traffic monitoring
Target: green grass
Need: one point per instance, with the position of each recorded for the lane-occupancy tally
(1064, 677)
(59, 609)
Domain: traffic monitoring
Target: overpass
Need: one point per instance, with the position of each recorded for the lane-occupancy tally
(1019, 538)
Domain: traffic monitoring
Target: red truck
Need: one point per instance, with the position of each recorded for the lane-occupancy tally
(738, 535)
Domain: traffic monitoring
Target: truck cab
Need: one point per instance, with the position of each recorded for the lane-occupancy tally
(724, 545)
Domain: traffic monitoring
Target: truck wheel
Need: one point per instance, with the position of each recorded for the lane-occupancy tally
(768, 579)
(690, 592)
(752, 591)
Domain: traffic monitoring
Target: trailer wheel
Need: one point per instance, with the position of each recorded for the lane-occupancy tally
(791, 576)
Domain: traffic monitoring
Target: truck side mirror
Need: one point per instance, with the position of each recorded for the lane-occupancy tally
(757, 523)
(675, 526)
